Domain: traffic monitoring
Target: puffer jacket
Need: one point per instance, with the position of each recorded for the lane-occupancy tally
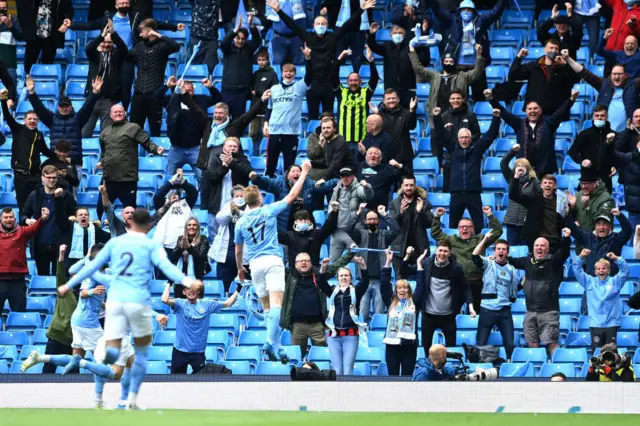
(349, 199)
(516, 213)
(543, 278)
(151, 57)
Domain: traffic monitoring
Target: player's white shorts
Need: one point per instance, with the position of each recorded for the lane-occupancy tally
(126, 351)
(121, 317)
(267, 274)
(85, 338)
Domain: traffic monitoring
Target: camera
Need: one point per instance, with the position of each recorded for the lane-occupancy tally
(310, 372)
(612, 359)
(463, 373)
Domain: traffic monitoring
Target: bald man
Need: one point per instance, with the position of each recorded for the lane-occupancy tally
(378, 138)
(629, 56)
(119, 156)
(544, 273)
(434, 368)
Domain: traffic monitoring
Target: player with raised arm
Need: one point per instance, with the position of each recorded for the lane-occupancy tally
(258, 230)
(133, 257)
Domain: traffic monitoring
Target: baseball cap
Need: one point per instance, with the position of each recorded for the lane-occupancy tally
(346, 171)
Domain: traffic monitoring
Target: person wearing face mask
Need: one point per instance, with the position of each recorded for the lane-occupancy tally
(342, 320)
(323, 45)
(223, 247)
(397, 70)
(28, 144)
(516, 213)
(466, 162)
(568, 30)
(591, 201)
(382, 177)
(376, 233)
(536, 132)
(304, 307)
(629, 56)
(353, 100)
(594, 148)
(625, 22)
(499, 291)
(467, 28)
(403, 308)
(544, 273)
(441, 86)
(228, 166)
(306, 236)
(548, 74)
(284, 114)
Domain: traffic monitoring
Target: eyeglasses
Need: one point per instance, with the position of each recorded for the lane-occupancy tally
(465, 226)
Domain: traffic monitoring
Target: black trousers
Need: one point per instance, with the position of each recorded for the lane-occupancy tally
(236, 101)
(55, 348)
(355, 41)
(401, 357)
(472, 202)
(24, 185)
(46, 257)
(602, 336)
(285, 144)
(126, 192)
(15, 291)
(476, 292)
(143, 108)
(128, 70)
(46, 46)
(320, 93)
(446, 323)
(181, 360)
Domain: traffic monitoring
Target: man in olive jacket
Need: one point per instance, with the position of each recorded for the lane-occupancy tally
(463, 244)
(119, 156)
(304, 308)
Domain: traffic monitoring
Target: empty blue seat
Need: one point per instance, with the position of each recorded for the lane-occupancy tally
(494, 183)
(567, 129)
(4, 366)
(426, 165)
(88, 199)
(152, 164)
(378, 322)
(246, 353)
(47, 72)
(194, 72)
(375, 338)
(273, 369)
(507, 37)
(362, 369)
(570, 288)
(465, 322)
(439, 199)
(42, 284)
(259, 164)
(237, 366)
(492, 165)
(293, 352)
(228, 322)
(628, 339)
(548, 370)
(164, 338)
(160, 353)
(75, 90)
(157, 367)
(77, 72)
(533, 355)
(514, 370)
(483, 110)
(213, 288)
(501, 56)
(503, 145)
(8, 199)
(252, 338)
(17, 338)
(23, 321)
(319, 353)
(630, 323)
(570, 306)
(9, 352)
(577, 339)
(42, 305)
(577, 356)
(468, 337)
(39, 337)
(513, 19)
(373, 355)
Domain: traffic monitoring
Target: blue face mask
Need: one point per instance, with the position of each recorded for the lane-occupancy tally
(599, 123)
(303, 226)
(397, 38)
(320, 29)
(466, 16)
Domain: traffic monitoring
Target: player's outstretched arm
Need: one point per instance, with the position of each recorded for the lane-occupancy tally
(171, 271)
(297, 188)
(89, 269)
(165, 296)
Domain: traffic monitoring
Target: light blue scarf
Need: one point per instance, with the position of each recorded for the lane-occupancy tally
(190, 270)
(296, 9)
(587, 7)
(77, 246)
(217, 135)
(468, 38)
(345, 14)
(401, 323)
(332, 309)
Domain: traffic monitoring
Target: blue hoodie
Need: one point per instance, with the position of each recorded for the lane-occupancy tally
(426, 372)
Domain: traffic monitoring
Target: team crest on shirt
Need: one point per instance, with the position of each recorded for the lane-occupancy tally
(296, 7)
(201, 310)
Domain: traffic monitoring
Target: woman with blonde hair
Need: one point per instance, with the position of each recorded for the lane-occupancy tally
(190, 254)
(516, 213)
(403, 307)
(342, 320)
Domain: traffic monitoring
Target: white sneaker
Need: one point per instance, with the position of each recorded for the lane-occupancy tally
(32, 359)
(99, 404)
(134, 407)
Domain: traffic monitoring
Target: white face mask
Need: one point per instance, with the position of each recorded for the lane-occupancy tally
(239, 201)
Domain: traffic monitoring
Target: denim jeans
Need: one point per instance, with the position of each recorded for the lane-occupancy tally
(178, 157)
(634, 218)
(593, 30)
(503, 320)
(284, 48)
(342, 351)
(372, 293)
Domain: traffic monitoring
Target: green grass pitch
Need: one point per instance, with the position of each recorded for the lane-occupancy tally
(48, 417)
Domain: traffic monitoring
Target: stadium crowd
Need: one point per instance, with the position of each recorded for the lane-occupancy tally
(394, 120)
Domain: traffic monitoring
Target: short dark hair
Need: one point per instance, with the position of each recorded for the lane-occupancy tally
(559, 374)
(149, 23)
(502, 241)
(7, 209)
(553, 41)
(31, 112)
(62, 145)
(618, 64)
(263, 53)
(599, 108)
(243, 31)
(141, 217)
(326, 114)
(444, 243)
(550, 177)
(390, 91)
(408, 177)
(94, 248)
(302, 215)
(457, 92)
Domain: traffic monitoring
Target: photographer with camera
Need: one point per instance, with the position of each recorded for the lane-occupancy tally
(434, 368)
(610, 366)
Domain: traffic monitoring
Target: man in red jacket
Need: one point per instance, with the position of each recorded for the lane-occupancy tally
(625, 22)
(13, 262)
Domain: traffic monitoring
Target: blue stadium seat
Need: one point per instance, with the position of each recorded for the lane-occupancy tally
(570, 167)
(88, 199)
(157, 367)
(577, 339)
(4, 366)
(627, 339)
(362, 369)
(513, 19)
(483, 110)
(244, 353)
(152, 164)
(194, 73)
(39, 337)
(39, 305)
(156, 287)
(519, 306)
(213, 288)
(372, 355)
(513, 370)
(567, 129)
(548, 370)
(630, 323)
(8, 199)
(468, 337)
(77, 72)
(15, 368)
(42, 284)
(507, 37)
(8, 352)
(266, 368)
(494, 183)
(465, 322)
(570, 289)
(439, 199)
(160, 353)
(237, 367)
(426, 165)
(319, 353)
(218, 339)
(75, 89)
(228, 322)
(566, 181)
(536, 356)
(570, 306)
(577, 356)
(164, 338)
(47, 72)
(378, 322)
(211, 354)
(17, 338)
(375, 338)
(293, 352)
(252, 338)
(259, 164)
(492, 165)
(501, 56)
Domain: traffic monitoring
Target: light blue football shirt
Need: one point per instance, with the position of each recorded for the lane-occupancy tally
(258, 230)
(192, 323)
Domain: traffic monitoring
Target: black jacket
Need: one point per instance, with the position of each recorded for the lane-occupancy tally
(27, 145)
(263, 79)
(333, 10)
(543, 278)
(336, 155)
(399, 123)
(309, 242)
(160, 197)
(68, 181)
(28, 15)
(211, 186)
(397, 69)
(591, 144)
(412, 222)
(237, 74)
(570, 42)
(629, 168)
(151, 57)
(106, 65)
(382, 179)
(201, 265)
(341, 317)
(383, 141)
(460, 291)
(466, 163)
(542, 80)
